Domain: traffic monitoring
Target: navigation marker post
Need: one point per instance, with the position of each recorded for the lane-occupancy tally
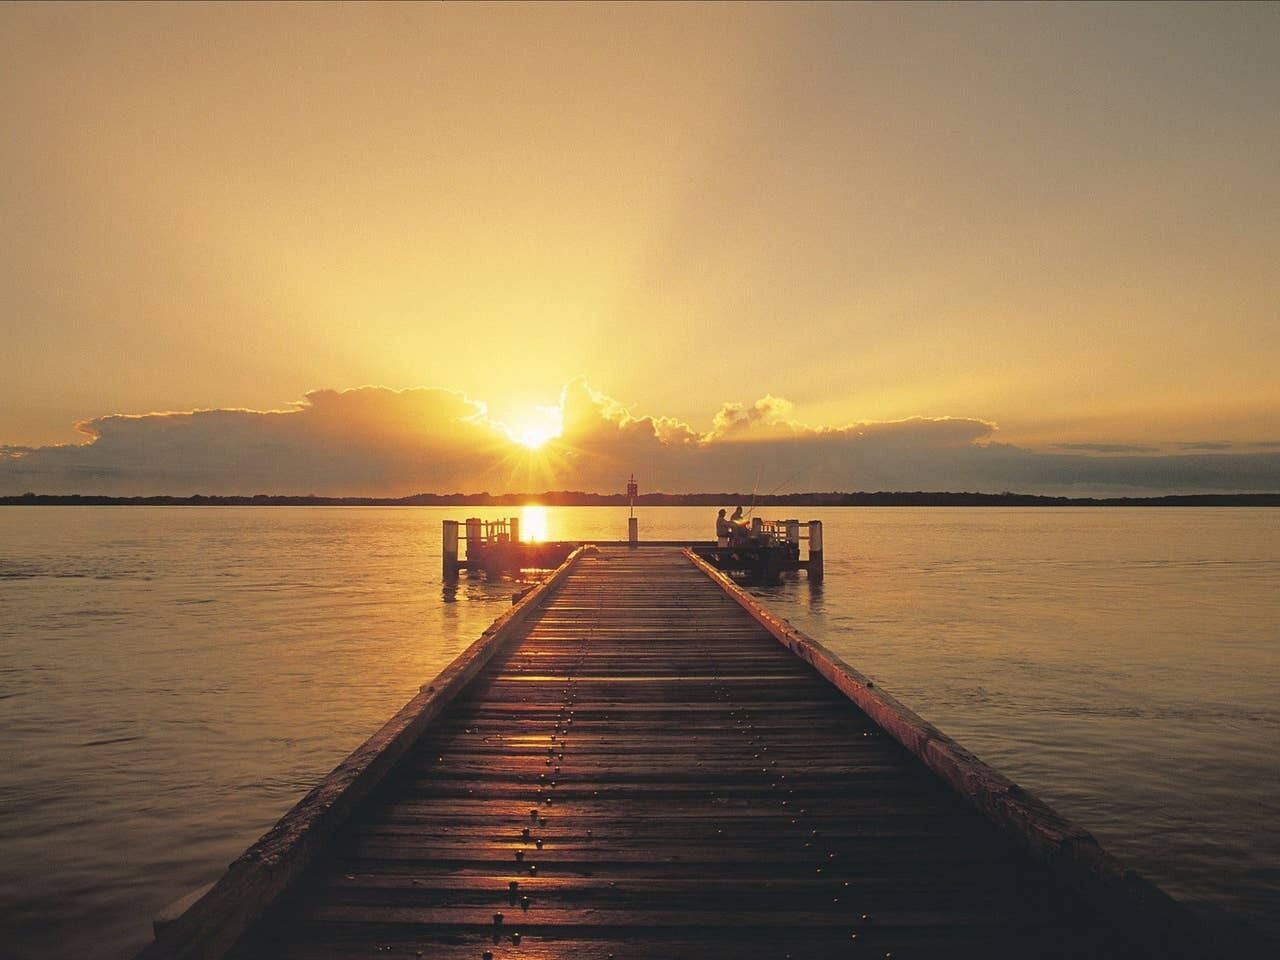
(633, 525)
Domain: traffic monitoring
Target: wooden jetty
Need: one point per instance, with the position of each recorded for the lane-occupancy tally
(639, 761)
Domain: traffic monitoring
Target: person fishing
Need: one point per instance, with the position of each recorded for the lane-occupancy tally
(739, 529)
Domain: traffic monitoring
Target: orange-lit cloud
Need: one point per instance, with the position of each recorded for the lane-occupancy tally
(373, 441)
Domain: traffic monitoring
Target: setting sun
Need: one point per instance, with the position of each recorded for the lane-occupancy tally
(534, 430)
(533, 437)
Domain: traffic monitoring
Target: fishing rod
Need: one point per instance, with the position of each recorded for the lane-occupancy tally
(754, 487)
(784, 482)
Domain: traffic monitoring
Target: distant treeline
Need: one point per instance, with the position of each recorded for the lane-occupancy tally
(577, 498)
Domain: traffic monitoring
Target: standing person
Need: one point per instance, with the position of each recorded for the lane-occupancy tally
(723, 528)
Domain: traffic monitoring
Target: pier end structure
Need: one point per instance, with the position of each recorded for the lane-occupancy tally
(494, 547)
(770, 548)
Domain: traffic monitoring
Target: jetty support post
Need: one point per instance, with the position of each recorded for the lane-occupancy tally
(792, 528)
(815, 550)
(450, 551)
(515, 529)
(475, 543)
(633, 530)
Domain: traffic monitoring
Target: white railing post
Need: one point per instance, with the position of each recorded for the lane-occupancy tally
(450, 550)
(815, 550)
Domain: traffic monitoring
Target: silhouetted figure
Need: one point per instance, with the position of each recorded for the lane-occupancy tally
(723, 528)
(739, 530)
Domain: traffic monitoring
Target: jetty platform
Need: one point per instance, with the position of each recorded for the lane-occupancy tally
(640, 761)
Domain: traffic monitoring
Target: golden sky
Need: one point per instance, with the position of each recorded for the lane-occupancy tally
(1061, 220)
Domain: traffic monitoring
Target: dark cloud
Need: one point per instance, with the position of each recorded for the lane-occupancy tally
(375, 441)
(1205, 445)
(367, 439)
(1139, 475)
(1107, 447)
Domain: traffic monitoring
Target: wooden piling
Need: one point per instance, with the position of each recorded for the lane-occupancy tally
(815, 551)
(449, 550)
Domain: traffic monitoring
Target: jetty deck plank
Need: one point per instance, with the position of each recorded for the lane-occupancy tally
(661, 778)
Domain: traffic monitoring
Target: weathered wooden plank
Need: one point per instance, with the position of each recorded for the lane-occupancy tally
(578, 920)
(346, 941)
(475, 888)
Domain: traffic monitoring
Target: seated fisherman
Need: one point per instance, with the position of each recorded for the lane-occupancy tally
(739, 530)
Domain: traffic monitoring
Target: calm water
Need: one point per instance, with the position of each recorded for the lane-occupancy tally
(173, 679)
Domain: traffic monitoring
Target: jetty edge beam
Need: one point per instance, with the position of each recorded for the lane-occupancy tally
(208, 927)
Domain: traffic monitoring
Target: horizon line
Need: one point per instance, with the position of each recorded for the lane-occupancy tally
(700, 498)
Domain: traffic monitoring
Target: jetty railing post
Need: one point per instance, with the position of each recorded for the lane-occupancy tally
(515, 529)
(815, 549)
(450, 551)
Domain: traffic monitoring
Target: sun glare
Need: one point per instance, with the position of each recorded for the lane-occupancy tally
(533, 524)
(533, 437)
(534, 430)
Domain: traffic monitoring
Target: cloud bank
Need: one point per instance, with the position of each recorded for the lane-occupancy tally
(374, 441)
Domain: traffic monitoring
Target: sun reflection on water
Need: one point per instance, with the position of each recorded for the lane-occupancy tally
(533, 523)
